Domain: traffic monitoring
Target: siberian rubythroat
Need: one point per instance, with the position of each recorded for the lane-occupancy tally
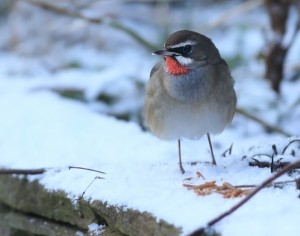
(191, 92)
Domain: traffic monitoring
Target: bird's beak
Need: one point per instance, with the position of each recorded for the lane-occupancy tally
(165, 52)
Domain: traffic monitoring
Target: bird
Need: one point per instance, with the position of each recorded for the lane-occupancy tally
(190, 92)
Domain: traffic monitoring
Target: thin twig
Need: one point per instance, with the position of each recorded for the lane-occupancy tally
(97, 177)
(76, 14)
(39, 171)
(229, 151)
(133, 34)
(22, 171)
(260, 154)
(233, 12)
(265, 183)
(266, 164)
(263, 123)
(287, 146)
(83, 168)
(62, 11)
(275, 184)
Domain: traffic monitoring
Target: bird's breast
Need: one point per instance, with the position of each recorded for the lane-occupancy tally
(187, 87)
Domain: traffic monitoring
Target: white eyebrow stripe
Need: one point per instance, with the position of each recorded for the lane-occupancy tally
(189, 42)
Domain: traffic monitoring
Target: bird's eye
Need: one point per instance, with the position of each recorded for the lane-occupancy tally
(187, 49)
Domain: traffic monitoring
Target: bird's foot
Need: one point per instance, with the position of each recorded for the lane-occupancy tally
(181, 169)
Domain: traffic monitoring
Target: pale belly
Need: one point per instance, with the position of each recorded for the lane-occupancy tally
(188, 121)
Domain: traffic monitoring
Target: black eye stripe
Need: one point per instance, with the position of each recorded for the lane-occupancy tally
(183, 50)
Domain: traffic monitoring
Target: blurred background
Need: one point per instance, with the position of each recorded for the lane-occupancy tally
(98, 52)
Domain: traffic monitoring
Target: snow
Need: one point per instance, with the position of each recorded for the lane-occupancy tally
(96, 229)
(39, 128)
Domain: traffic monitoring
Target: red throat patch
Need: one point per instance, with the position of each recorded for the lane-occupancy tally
(174, 67)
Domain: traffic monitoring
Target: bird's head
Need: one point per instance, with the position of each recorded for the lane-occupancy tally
(186, 50)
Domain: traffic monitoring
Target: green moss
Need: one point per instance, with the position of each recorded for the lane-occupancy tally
(71, 93)
(107, 98)
(73, 65)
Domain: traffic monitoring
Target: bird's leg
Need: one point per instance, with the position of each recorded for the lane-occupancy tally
(179, 155)
(213, 160)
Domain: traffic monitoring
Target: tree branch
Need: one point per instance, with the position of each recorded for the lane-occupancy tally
(265, 183)
(88, 169)
(239, 9)
(76, 14)
(263, 123)
(22, 171)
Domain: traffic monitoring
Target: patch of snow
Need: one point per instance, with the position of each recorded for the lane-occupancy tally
(96, 229)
